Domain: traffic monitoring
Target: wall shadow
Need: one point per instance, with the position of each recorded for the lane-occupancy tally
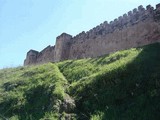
(128, 93)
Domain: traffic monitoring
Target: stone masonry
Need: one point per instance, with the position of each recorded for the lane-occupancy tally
(138, 27)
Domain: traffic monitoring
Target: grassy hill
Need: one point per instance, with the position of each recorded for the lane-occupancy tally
(121, 86)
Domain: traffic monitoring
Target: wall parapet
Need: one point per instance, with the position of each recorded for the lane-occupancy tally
(135, 16)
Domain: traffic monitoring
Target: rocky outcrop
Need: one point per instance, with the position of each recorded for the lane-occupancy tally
(138, 27)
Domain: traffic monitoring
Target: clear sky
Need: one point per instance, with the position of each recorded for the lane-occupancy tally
(35, 24)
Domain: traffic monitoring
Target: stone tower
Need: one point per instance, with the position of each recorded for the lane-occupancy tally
(62, 47)
(31, 57)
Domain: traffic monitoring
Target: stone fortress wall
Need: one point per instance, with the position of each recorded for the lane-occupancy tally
(136, 28)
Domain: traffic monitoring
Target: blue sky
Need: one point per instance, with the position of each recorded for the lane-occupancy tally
(35, 24)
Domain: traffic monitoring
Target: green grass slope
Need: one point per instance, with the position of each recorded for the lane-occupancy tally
(121, 86)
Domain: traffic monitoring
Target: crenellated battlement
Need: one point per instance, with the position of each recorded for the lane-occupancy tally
(137, 27)
(128, 19)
